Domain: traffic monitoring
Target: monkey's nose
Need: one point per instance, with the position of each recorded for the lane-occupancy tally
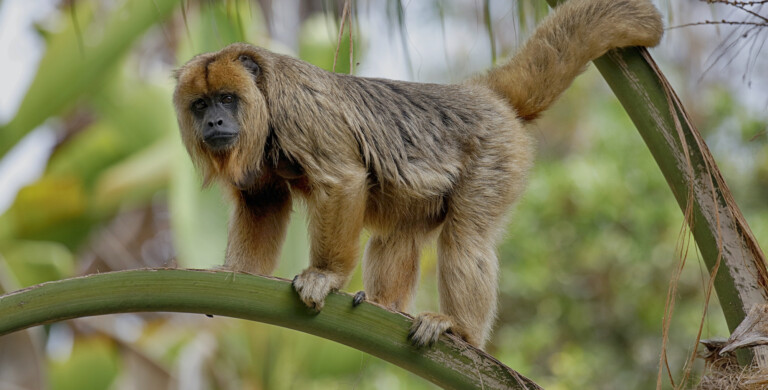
(217, 123)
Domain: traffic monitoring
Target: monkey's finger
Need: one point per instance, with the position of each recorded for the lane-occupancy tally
(434, 337)
(422, 338)
(313, 286)
(415, 333)
(427, 328)
(358, 298)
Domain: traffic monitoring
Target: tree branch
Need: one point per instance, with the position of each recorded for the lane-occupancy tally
(450, 363)
(718, 226)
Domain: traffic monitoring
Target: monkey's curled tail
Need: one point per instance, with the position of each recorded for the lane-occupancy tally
(575, 33)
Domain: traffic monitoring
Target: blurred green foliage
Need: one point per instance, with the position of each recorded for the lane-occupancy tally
(93, 364)
(585, 264)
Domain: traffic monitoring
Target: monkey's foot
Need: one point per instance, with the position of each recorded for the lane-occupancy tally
(427, 328)
(358, 298)
(313, 285)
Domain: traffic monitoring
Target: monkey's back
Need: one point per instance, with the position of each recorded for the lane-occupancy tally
(420, 142)
(424, 137)
(416, 142)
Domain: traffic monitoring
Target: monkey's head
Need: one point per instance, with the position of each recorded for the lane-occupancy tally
(222, 112)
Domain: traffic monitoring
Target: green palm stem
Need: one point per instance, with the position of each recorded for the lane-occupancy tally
(722, 235)
(450, 363)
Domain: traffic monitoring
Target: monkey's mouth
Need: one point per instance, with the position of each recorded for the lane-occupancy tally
(220, 140)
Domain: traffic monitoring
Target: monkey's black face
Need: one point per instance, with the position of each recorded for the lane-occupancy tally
(216, 117)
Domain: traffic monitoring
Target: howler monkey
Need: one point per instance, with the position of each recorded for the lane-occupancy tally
(407, 161)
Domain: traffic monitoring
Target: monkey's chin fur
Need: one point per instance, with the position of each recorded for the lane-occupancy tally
(410, 162)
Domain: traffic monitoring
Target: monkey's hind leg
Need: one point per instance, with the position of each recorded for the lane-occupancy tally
(467, 279)
(466, 250)
(257, 228)
(391, 269)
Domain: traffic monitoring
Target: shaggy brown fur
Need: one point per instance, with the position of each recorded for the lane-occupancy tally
(407, 161)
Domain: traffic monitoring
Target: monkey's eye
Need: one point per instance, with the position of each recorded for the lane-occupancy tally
(227, 99)
(199, 105)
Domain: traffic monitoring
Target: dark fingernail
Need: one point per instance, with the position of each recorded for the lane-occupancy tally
(358, 298)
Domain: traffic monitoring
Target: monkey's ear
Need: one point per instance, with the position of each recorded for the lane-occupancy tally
(250, 65)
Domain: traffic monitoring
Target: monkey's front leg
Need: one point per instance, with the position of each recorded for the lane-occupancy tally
(336, 220)
(257, 227)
